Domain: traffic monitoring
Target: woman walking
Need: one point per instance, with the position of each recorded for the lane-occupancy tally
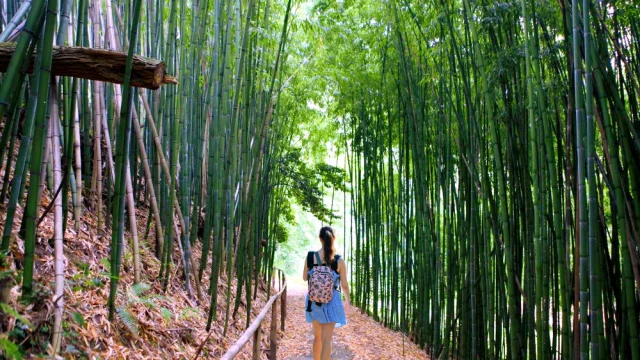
(328, 312)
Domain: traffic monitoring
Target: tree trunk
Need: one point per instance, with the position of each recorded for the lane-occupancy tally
(98, 64)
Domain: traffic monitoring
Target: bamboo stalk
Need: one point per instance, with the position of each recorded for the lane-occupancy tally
(58, 298)
(13, 23)
(31, 209)
(122, 170)
(161, 156)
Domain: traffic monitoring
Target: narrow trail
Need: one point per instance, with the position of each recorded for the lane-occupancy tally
(361, 338)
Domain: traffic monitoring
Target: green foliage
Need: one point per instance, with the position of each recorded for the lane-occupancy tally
(128, 319)
(286, 211)
(6, 309)
(128, 258)
(9, 349)
(78, 318)
(281, 233)
(106, 264)
(137, 294)
(139, 289)
(462, 126)
(189, 313)
(335, 177)
(307, 184)
(303, 236)
(166, 314)
(302, 233)
(84, 281)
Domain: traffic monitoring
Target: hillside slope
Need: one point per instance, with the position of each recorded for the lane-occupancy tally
(150, 324)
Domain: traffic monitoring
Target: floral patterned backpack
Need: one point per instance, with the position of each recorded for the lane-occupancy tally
(321, 284)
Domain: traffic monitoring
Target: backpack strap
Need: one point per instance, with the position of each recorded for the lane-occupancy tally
(334, 265)
(336, 260)
(310, 265)
(310, 259)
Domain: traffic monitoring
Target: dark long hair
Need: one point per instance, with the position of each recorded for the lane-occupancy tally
(327, 236)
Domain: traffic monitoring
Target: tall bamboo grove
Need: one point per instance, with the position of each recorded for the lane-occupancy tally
(493, 157)
(197, 149)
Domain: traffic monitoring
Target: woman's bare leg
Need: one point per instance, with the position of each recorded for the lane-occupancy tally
(327, 336)
(317, 340)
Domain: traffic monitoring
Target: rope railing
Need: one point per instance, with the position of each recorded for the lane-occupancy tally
(254, 330)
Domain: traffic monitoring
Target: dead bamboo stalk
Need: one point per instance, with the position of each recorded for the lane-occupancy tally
(167, 173)
(134, 228)
(107, 137)
(114, 44)
(45, 161)
(77, 165)
(163, 160)
(180, 247)
(142, 152)
(58, 297)
(96, 179)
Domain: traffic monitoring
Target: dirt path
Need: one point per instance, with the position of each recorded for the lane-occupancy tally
(361, 338)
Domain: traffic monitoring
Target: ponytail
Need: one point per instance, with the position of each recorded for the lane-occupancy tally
(327, 237)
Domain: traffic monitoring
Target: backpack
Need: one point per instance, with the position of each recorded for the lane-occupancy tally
(321, 284)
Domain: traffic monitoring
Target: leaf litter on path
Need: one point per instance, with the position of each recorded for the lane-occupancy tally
(361, 339)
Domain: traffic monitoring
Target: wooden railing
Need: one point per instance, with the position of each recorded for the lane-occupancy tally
(255, 331)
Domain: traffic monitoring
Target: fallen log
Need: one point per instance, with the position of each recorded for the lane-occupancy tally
(98, 64)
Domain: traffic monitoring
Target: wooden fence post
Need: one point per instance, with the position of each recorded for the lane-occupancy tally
(256, 343)
(253, 330)
(283, 305)
(273, 344)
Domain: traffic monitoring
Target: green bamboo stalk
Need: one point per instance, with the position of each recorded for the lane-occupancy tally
(22, 161)
(12, 78)
(582, 206)
(46, 46)
(14, 135)
(13, 23)
(595, 298)
(122, 145)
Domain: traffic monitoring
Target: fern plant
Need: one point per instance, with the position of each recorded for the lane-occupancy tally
(136, 295)
(190, 313)
(8, 348)
(128, 319)
(166, 314)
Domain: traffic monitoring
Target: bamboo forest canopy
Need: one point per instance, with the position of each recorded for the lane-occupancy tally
(489, 150)
(213, 153)
(492, 149)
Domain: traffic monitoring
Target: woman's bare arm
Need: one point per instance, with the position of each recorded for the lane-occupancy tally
(342, 267)
(305, 273)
